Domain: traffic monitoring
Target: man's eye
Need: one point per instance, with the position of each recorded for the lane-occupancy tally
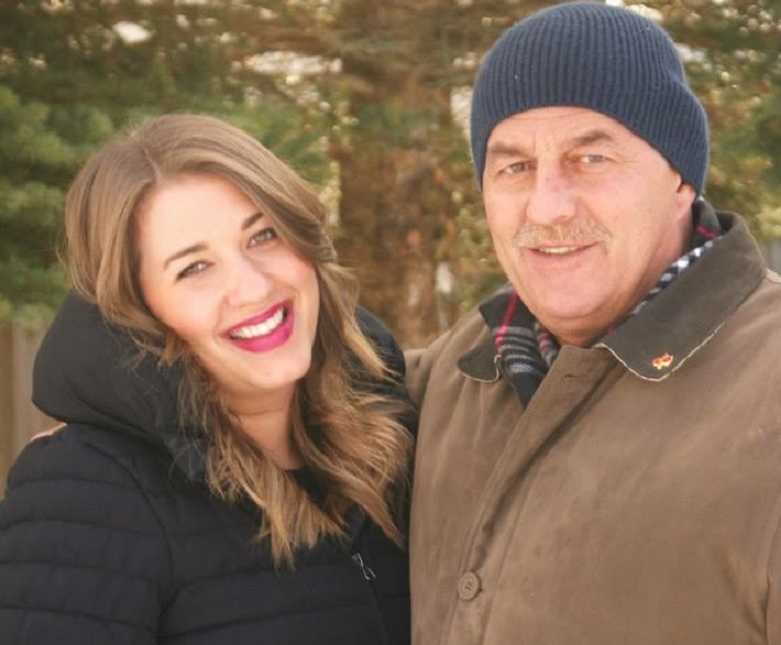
(264, 235)
(517, 168)
(591, 159)
(192, 269)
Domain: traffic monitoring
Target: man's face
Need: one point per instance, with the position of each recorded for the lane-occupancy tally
(584, 216)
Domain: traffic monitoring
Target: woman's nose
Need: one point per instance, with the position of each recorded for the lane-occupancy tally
(247, 282)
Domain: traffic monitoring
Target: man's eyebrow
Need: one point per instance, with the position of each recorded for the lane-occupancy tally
(504, 149)
(591, 136)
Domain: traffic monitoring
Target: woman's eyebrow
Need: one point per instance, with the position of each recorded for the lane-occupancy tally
(200, 246)
(250, 221)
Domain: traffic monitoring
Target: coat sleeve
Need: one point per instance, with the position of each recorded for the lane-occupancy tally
(393, 358)
(419, 363)
(771, 560)
(418, 369)
(83, 558)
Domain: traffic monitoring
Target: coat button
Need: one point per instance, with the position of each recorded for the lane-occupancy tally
(468, 586)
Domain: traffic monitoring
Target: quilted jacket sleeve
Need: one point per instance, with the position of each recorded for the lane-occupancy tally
(82, 556)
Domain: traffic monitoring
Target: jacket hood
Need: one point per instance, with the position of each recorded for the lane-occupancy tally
(88, 371)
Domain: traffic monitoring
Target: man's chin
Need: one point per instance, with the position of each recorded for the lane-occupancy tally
(571, 322)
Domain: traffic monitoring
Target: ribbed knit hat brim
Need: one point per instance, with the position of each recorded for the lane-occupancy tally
(607, 59)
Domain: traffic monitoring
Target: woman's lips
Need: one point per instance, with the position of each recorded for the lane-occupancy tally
(266, 331)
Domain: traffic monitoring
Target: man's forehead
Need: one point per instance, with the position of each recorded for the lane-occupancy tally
(564, 126)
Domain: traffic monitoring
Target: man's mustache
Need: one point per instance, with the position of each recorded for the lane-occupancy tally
(575, 232)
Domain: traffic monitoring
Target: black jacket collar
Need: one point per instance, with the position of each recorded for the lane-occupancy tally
(89, 372)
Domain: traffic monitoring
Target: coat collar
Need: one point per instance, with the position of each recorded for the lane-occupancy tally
(683, 318)
(90, 372)
(676, 323)
(481, 363)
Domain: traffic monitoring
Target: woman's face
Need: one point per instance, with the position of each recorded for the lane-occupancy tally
(213, 270)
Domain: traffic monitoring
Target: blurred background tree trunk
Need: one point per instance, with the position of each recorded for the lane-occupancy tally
(366, 99)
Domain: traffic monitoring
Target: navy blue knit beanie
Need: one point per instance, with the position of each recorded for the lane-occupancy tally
(607, 59)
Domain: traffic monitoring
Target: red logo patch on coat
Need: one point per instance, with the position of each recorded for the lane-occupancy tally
(664, 361)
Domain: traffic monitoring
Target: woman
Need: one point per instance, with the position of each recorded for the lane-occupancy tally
(234, 465)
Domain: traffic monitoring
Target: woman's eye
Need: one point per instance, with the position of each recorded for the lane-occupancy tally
(192, 269)
(263, 235)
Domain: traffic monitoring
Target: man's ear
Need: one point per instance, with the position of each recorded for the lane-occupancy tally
(685, 195)
(683, 187)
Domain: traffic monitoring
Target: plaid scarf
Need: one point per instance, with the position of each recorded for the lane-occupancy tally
(528, 350)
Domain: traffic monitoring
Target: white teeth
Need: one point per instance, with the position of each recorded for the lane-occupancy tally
(557, 250)
(261, 329)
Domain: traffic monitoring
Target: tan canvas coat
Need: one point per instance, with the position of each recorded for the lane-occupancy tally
(635, 501)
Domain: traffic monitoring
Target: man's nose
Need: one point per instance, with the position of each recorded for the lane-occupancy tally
(552, 197)
(247, 281)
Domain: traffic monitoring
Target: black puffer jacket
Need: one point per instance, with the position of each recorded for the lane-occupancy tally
(109, 536)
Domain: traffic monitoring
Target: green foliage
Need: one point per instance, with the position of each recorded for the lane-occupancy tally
(736, 71)
(69, 81)
(40, 148)
(374, 103)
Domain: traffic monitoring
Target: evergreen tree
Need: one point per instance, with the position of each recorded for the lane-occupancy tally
(71, 76)
(370, 84)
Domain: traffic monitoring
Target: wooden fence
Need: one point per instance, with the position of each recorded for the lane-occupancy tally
(19, 419)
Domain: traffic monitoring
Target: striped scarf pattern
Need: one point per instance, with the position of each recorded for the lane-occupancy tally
(528, 350)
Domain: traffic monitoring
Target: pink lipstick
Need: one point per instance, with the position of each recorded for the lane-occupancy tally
(266, 331)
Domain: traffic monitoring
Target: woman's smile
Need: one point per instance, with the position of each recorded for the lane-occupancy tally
(266, 331)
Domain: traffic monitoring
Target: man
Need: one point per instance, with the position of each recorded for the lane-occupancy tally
(599, 455)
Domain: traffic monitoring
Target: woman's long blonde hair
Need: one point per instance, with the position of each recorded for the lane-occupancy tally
(348, 434)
